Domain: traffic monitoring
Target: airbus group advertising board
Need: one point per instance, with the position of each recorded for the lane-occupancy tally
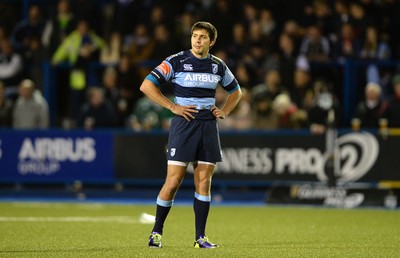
(55, 156)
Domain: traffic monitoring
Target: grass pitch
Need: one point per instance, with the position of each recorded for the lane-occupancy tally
(111, 230)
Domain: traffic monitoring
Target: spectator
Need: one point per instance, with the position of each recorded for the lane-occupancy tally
(374, 11)
(223, 55)
(289, 116)
(315, 46)
(82, 43)
(250, 14)
(60, 25)
(128, 81)
(237, 46)
(11, 64)
(287, 56)
(31, 110)
(34, 56)
(392, 113)
(371, 109)
(322, 17)
(140, 47)
(257, 56)
(324, 102)
(157, 17)
(6, 108)
(301, 92)
(183, 28)
(32, 27)
(164, 43)
(346, 45)
(267, 24)
(3, 33)
(295, 31)
(255, 36)
(89, 11)
(221, 15)
(271, 85)
(111, 53)
(243, 75)
(391, 10)
(113, 93)
(124, 14)
(374, 48)
(340, 16)
(359, 19)
(10, 14)
(306, 14)
(147, 116)
(264, 115)
(78, 48)
(97, 112)
(241, 116)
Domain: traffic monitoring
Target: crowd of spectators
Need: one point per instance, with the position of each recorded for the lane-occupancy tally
(274, 48)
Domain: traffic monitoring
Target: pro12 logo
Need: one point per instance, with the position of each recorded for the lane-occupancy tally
(358, 153)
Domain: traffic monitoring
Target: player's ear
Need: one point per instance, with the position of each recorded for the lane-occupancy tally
(212, 43)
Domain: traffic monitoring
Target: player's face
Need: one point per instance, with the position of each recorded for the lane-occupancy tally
(200, 43)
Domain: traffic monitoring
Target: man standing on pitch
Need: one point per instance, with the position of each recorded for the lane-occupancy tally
(193, 136)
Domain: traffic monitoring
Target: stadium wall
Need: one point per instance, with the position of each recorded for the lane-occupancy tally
(260, 157)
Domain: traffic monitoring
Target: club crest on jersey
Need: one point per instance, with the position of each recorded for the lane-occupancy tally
(187, 67)
(173, 151)
(214, 68)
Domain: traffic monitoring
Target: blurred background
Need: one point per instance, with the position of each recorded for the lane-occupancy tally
(72, 115)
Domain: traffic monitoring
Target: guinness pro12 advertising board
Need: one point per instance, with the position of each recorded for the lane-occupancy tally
(262, 156)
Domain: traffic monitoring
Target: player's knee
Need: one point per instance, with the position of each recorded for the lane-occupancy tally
(172, 185)
(203, 186)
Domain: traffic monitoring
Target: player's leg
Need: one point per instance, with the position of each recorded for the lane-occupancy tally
(203, 172)
(175, 174)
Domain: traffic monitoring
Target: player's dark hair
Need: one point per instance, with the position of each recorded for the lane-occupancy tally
(212, 31)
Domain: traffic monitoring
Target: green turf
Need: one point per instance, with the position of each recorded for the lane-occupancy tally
(240, 231)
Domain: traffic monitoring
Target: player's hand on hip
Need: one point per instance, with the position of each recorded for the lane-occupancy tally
(185, 111)
(218, 113)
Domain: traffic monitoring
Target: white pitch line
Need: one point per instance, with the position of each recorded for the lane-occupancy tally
(117, 219)
(88, 206)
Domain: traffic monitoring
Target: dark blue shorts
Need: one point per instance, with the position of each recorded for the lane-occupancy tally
(194, 140)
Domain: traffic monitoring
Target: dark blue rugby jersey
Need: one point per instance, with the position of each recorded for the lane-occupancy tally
(194, 80)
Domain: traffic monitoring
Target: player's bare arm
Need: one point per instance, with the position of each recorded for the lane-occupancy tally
(154, 93)
(231, 101)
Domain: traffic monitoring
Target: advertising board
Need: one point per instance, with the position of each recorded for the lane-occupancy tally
(56, 156)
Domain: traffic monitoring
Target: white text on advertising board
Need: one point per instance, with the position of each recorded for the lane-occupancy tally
(358, 152)
(43, 156)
